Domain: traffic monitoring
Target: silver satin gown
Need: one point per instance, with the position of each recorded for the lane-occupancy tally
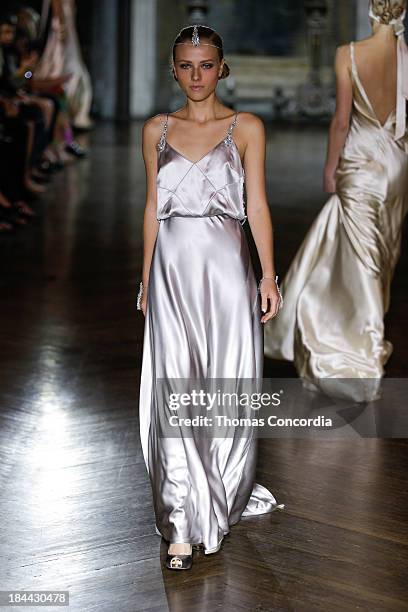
(337, 289)
(202, 319)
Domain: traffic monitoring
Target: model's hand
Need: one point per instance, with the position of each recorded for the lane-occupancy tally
(269, 292)
(329, 181)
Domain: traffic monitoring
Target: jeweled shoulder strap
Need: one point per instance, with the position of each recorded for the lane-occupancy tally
(162, 142)
(228, 138)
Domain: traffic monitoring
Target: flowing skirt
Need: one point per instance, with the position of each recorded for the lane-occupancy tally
(202, 321)
(337, 292)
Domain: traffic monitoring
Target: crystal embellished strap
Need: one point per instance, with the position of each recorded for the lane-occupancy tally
(162, 142)
(228, 138)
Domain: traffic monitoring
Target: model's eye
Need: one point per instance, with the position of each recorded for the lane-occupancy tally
(183, 66)
(208, 66)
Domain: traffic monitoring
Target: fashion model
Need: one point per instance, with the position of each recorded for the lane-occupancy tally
(62, 55)
(337, 289)
(203, 309)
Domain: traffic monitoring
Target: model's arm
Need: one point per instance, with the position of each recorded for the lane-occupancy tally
(40, 85)
(340, 123)
(259, 216)
(57, 11)
(150, 137)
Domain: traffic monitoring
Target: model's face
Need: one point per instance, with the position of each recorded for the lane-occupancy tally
(197, 70)
(6, 34)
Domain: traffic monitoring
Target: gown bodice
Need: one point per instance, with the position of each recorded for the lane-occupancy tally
(213, 185)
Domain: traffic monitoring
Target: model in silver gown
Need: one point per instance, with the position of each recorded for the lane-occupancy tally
(202, 320)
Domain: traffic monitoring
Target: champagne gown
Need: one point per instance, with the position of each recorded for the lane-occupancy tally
(202, 320)
(337, 289)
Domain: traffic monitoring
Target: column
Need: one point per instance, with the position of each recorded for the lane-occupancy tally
(142, 57)
(103, 58)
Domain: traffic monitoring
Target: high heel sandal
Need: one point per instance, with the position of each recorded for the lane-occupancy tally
(180, 562)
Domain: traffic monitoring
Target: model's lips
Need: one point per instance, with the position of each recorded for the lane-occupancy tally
(196, 87)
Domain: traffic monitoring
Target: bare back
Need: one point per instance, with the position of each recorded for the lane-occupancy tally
(377, 69)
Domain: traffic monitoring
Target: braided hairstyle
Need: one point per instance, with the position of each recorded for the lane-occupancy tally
(387, 10)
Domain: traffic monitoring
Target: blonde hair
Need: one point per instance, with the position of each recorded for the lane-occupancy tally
(387, 10)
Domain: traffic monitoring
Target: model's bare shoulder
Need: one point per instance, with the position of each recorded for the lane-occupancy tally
(343, 49)
(343, 53)
(152, 127)
(343, 58)
(251, 127)
(249, 122)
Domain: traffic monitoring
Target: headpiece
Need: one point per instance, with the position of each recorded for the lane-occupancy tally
(195, 38)
(394, 16)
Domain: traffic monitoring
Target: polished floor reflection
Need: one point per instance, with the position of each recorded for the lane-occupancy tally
(75, 497)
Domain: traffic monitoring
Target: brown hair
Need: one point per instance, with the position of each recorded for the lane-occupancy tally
(209, 35)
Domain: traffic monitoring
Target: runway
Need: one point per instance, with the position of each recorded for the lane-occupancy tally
(75, 496)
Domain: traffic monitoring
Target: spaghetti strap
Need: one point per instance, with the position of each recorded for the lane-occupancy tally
(162, 142)
(353, 60)
(228, 138)
(228, 141)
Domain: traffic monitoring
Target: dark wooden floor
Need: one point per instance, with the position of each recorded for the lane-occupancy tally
(76, 509)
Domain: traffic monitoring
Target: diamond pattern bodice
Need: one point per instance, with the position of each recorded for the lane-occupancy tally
(214, 185)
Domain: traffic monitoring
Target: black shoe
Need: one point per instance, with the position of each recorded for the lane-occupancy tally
(179, 562)
(75, 149)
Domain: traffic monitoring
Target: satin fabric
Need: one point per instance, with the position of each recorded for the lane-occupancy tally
(61, 57)
(337, 289)
(202, 320)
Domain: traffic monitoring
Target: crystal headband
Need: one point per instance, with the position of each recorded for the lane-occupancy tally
(195, 39)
